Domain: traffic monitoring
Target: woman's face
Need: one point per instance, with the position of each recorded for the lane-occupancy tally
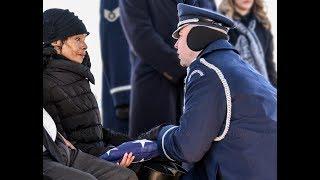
(243, 5)
(74, 48)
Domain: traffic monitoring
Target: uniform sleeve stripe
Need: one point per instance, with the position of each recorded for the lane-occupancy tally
(162, 142)
(228, 97)
(120, 88)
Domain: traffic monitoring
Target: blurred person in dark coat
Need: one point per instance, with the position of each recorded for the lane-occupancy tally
(157, 78)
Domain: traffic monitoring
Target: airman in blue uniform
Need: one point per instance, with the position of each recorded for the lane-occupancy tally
(228, 129)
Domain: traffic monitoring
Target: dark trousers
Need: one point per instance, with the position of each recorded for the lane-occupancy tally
(86, 167)
(154, 101)
(110, 119)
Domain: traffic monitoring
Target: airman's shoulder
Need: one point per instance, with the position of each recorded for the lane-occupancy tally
(199, 72)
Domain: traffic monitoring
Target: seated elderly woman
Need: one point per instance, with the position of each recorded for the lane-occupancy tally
(62, 160)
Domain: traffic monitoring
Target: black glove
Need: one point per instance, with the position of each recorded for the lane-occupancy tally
(114, 138)
(152, 134)
(122, 111)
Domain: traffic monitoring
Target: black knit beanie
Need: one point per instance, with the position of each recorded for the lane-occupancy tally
(59, 24)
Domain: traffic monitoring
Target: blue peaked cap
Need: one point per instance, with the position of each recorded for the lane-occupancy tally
(203, 17)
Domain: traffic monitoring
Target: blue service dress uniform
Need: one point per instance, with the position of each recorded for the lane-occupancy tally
(229, 126)
(157, 77)
(116, 66)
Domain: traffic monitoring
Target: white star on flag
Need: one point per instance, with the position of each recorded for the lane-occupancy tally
(142, 141)
(108, 152)
(143, 150)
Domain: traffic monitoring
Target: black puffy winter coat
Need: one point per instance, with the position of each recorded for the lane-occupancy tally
(67, 97)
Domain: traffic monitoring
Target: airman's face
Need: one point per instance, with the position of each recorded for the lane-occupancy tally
(185, 54)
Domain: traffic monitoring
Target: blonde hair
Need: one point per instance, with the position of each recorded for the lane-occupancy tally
(227, 7)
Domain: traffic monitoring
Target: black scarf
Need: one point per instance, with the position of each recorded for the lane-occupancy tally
(48, 53)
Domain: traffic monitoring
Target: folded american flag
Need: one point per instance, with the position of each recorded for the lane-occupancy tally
(143, 150)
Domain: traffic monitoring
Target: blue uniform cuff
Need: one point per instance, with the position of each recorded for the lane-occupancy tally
(164, 133)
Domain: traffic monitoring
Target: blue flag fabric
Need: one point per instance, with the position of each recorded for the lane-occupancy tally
(143, 150)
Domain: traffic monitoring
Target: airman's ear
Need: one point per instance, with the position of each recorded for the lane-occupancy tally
(200, 36)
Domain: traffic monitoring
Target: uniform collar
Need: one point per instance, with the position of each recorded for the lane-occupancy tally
(217, 45)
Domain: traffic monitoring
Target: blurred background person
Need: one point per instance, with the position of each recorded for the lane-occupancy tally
(156, 76)
(252, 36)
(116, 68)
